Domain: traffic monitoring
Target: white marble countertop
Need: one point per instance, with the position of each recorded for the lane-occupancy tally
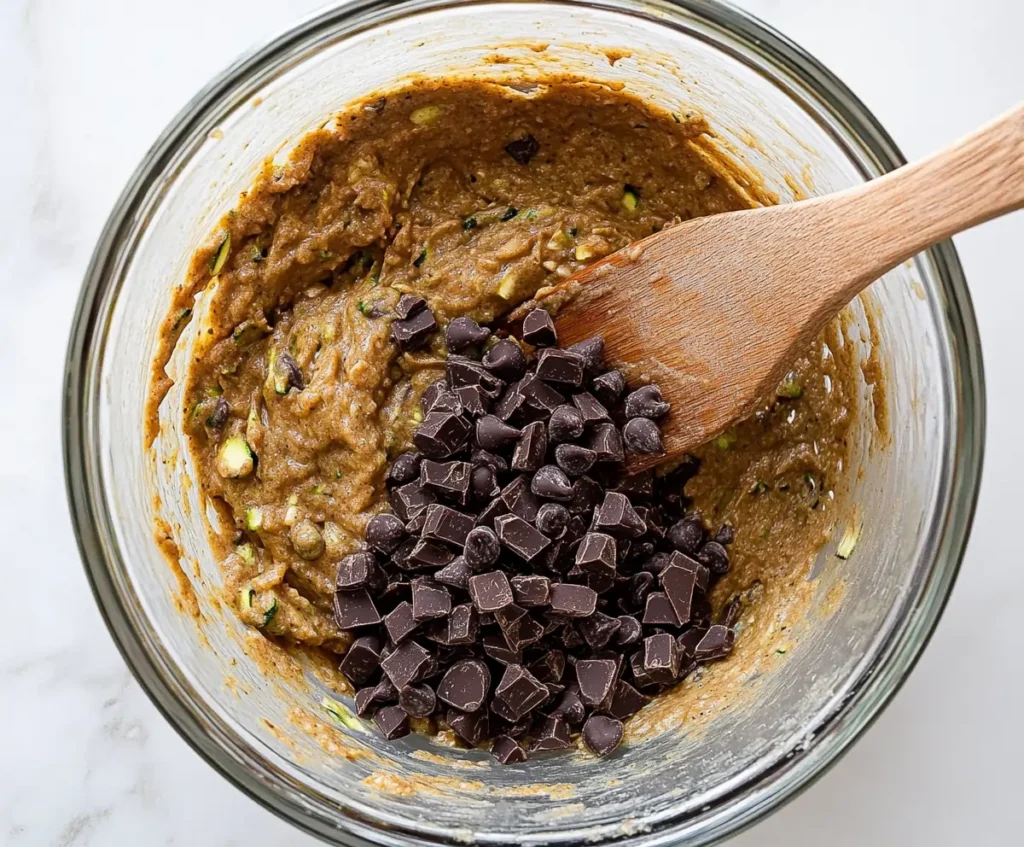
(87, 760)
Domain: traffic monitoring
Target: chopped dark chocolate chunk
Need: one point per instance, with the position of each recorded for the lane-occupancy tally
(715, 557)
(415, 331)
(688, 642)
(539, 329)
(687, 536)
(385, 532)
(641, 435)
(441, 434)
(490, 591)
(409, 305)
(462, 371)
(456, 574)
(470, 728)
(509, 615)
(539, 395)
(426, 554)
(364, 700)
(492, 433)
(520, 691)
(730, 612)
(565, 424)
(570, 707)
(505, 359)
(519, 500)
(552, 519)
(491, 511)
(465, 685)
(553, 735)
(599, 629)
(634, 597)
(504, 748)
(510, 402)
(618, 517)
(441, 400)
(404, 469)
(523, 149)
(445, 524)
(606, 442)
(497, 648)
(573, 601)
(596, 553)
(550, 667)
(429, 600)
(410, 500)
(658, 610)
(590, 409)
(531, 591)
(461, 627)
(405, 664)
(716, 644)
(362, 659)
(574, 459)
(473, 401)
(520, 537)
(551, 483)
(531, 447)
(450, 478)
(560, 366)
(400, 622)
(592, 352)
(629, 630)
(638, 485)
(417, 701)
(358, 570)
(645, 402)
(392, 721)
(354, 609)
(524, 632)
(602, 734)
(662, 658)
(679, 584)
(586, 494)
(596, 678)
(608, 387)
(463, 333)
(626, 701)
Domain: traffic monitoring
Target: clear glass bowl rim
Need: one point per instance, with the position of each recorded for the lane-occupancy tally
(224, 750)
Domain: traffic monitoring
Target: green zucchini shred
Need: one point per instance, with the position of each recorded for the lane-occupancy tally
(343, 715)
(268, 615)
(421, 258)
(790, 388)
(220, 257)
(253, 518)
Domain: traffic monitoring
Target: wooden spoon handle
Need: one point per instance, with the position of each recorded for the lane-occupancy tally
(889, 219)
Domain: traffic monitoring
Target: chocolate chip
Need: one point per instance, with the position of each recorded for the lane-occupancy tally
(596, 553)
(482, 547)
(565, 424)
(385, 532)
(456, 574)
(462, 371)
(716, 644)
(608, 387)
(358, 570)
(414, 332)
(492, 433)
(520, 691)
(405, 664)
(634, 594)
(409, 305)
(686, 536)
(404, 469)
(497, 648)
(504, 748)
(573, 601)
(642, 435)
(522, 633)
(490, 591)
(415, 526)
(531, 591)
(483, 484)
(506, 359)
(591, 350)
(410, 500)
(520, 537)
(473, 400)
(629, 631)
(570, 708)
(574, 459)
(365, 702)
(392, 721)
(602, 734)
(658, 610)
(560, 366)
(590, 409)
(553, 735)
(531, 448)
(417, 701)
(618, 517)
(539, 395)
(606, 442)
(646, 402)
(426, 554)
(550, 667)
(429, 600)
(465, 685)
(463, 333)
(726, 534)
(400, 623)
(441, 434)
(715, 557)
(552, 519)
(551, 483)
(688, 642)
(626, 701)
(511, 401)
(353, 609)
(446, 524)
(638, 485)
(586, 494)
(471, 728)
(480, 457)
(539, 329)
(523, 149)
(362, 659)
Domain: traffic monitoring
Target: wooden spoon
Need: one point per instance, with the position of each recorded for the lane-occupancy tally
(717, 309)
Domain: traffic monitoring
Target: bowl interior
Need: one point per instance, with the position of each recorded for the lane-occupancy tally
(270, 729)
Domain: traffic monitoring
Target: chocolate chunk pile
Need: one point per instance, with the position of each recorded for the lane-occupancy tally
(524, 589)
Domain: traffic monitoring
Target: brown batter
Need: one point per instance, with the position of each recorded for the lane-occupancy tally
(416, 193)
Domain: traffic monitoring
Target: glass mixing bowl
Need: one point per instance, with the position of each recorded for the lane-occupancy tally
(913, 493)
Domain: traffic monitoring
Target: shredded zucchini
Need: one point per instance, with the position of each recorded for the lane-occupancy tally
(343, 715)
(425, 115)
(253, 518)
(221, 256)
(849, 540)
(234, 458)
